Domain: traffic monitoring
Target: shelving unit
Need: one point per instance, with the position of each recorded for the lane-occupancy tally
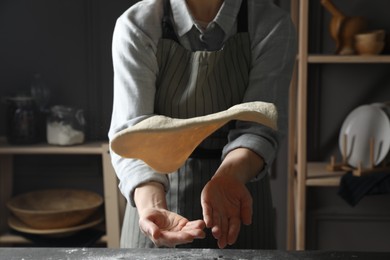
(113, 201)
(301, 173)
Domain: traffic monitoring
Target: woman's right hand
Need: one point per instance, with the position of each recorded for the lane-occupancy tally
(166, 228)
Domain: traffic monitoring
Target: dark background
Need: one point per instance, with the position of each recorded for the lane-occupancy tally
(69, 43)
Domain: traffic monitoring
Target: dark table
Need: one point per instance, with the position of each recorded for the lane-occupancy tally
(165, 254)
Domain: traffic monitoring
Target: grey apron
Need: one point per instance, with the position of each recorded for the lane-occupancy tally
(194, 84)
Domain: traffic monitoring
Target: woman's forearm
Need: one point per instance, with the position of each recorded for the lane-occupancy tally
(150, 195)
(242, 164)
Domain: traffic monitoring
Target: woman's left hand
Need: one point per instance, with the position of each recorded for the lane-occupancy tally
(226, 202)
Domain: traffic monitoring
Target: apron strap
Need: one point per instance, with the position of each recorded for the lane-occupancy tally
(167, 25)
(242, 17)
(168, 31)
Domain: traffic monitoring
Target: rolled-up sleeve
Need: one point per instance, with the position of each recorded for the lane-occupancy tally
(135, 70)
(273, 58)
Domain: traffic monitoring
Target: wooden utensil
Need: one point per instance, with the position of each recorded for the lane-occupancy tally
(343, 28)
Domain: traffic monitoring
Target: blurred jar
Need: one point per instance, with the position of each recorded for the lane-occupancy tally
(65, 126)
(40, 91)
(22, 120)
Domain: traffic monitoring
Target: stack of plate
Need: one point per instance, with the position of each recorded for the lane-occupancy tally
(365, 125)
(55, 211)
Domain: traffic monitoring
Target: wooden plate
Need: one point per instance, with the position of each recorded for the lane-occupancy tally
(18, 225)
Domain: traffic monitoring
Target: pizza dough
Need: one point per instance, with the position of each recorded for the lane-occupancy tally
(165, 143)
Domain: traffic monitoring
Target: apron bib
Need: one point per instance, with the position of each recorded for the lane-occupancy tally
(197, 83)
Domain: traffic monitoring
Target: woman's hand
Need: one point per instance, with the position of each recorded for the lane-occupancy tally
(166, 228)
(163, 227)
(226, 202)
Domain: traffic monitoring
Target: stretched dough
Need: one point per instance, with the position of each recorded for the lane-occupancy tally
(165, 143)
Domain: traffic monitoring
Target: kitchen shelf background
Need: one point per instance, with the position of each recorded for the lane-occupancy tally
(327, 87)
(113, 201)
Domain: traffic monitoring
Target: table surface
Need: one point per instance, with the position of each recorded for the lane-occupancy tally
(165, 254)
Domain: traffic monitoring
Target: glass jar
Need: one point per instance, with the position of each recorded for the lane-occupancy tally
(65, 126)
(22, 120)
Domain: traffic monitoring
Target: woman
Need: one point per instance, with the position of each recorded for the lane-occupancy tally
(187, 58)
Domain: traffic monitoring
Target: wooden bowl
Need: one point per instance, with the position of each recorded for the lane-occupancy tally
(371, 36)
(55, 208)
(370, 43)
(369, 48)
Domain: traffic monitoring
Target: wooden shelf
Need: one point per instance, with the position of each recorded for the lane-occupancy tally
(13, 239)
(301, 173)
(317, 175)
(86, 148)
(9, 238)
(312, 58)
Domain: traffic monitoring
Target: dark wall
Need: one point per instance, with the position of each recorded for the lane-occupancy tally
(69, 44)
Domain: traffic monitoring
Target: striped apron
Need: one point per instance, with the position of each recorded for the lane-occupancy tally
(195, 84)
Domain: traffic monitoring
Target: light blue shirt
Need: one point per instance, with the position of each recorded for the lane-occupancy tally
(135, 39)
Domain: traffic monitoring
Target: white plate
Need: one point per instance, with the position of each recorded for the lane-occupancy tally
(362, 124)
(385, 106)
